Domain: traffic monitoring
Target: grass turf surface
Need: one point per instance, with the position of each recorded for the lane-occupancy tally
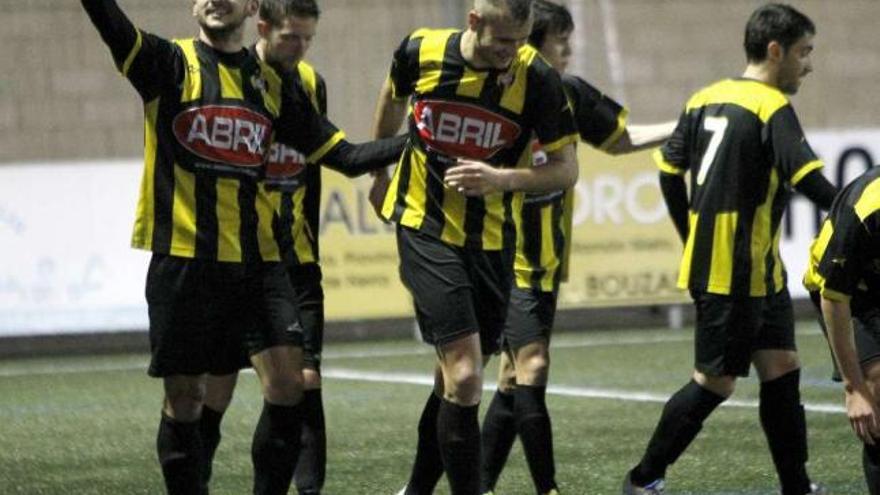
(86, 425)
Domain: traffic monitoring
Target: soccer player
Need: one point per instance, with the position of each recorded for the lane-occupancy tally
(744, 148)
(286, 29)
(843, 272)
(215, 277)
(544, 228)
(477, 98)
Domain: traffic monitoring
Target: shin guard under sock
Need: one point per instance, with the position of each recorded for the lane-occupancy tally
(276, 448)
(179, 448)
(311, 466)
(458, 435)
(784, 424)
(682, 419)
(497, 436)
(533, 426)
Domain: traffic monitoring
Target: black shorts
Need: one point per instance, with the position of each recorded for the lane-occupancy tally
(309, 299)
(730, 329)
(530, 315)
(866, 333)
(456, 291)
(204, 314)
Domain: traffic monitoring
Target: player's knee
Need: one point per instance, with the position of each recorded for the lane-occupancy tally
(283, 388)
(183, 400)
(311, 379)
(465, 384)
(534, 370)
(720, 385)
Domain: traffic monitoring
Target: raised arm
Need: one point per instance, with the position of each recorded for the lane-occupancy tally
(115, 28)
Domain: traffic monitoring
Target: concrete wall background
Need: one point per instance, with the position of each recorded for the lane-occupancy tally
(61, 99)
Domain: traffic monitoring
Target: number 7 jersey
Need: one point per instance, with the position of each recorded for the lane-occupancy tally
(744, 148)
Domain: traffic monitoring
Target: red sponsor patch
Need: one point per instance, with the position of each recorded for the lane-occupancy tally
(462, 130)
(224, 134)
(284, 162)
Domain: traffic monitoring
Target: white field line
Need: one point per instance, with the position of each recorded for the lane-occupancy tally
(563, 390)
(424, 380)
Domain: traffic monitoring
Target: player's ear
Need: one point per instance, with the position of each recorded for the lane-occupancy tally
(775, 51)
(263, 28)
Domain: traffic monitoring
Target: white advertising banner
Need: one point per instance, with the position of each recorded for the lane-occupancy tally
(66, 266)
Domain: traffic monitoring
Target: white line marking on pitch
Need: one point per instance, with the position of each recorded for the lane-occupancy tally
(563, 390)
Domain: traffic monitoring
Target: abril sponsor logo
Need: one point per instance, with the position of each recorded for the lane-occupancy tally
(224, 134)
(284, 162)
(463, 130)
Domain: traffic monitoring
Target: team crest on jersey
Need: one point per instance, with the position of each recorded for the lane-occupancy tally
(463, 130)
(284, 166)
(224, 134)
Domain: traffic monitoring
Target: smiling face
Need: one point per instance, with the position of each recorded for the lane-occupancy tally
(289, 42)
(498, 38)
(794, 65)
(219, 19)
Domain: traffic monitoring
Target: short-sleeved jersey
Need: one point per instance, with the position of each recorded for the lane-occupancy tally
(845, 257)
(297, 185)
(544, 224)
(210, 118)
(744, 148)
(457, 111)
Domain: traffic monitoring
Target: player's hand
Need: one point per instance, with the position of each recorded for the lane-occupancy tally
(863, 414)
(473, 178)
(378, 190)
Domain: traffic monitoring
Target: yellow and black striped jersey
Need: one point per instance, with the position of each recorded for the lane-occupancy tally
(210, 118)
(744, 148)
(845, 257)
(544, 224)
(297, 185)
(457, 111)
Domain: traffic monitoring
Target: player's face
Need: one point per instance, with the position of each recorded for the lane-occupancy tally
(795, 65)
(557, 50)
(498, 40)
(289, 42)
(217, 17)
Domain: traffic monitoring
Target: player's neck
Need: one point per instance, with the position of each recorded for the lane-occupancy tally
(761, 72)
(468, 47)
(226, 42)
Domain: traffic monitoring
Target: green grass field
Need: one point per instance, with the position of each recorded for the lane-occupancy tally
(86, 425)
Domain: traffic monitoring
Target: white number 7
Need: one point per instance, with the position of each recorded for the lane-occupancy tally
(717, 126)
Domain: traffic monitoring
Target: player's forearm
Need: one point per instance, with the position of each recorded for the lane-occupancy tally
(389, 113)
(640, 137)
(838, 320)
(560, 172)
(357, 159)
(818, 189)
(674, 192)
(115, 28)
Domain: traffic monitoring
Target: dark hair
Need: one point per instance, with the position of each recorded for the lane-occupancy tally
(275, 11)
(774, 22)
(549, 18)
(519, 10)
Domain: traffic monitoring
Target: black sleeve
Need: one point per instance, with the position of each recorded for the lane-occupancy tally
(674, 192)
(550, 112)
(357, 159)
(792, 155)
(816, 187)
(299, 124)
(598, 118)
(842, 261)
(321, 93)
(146, 60)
